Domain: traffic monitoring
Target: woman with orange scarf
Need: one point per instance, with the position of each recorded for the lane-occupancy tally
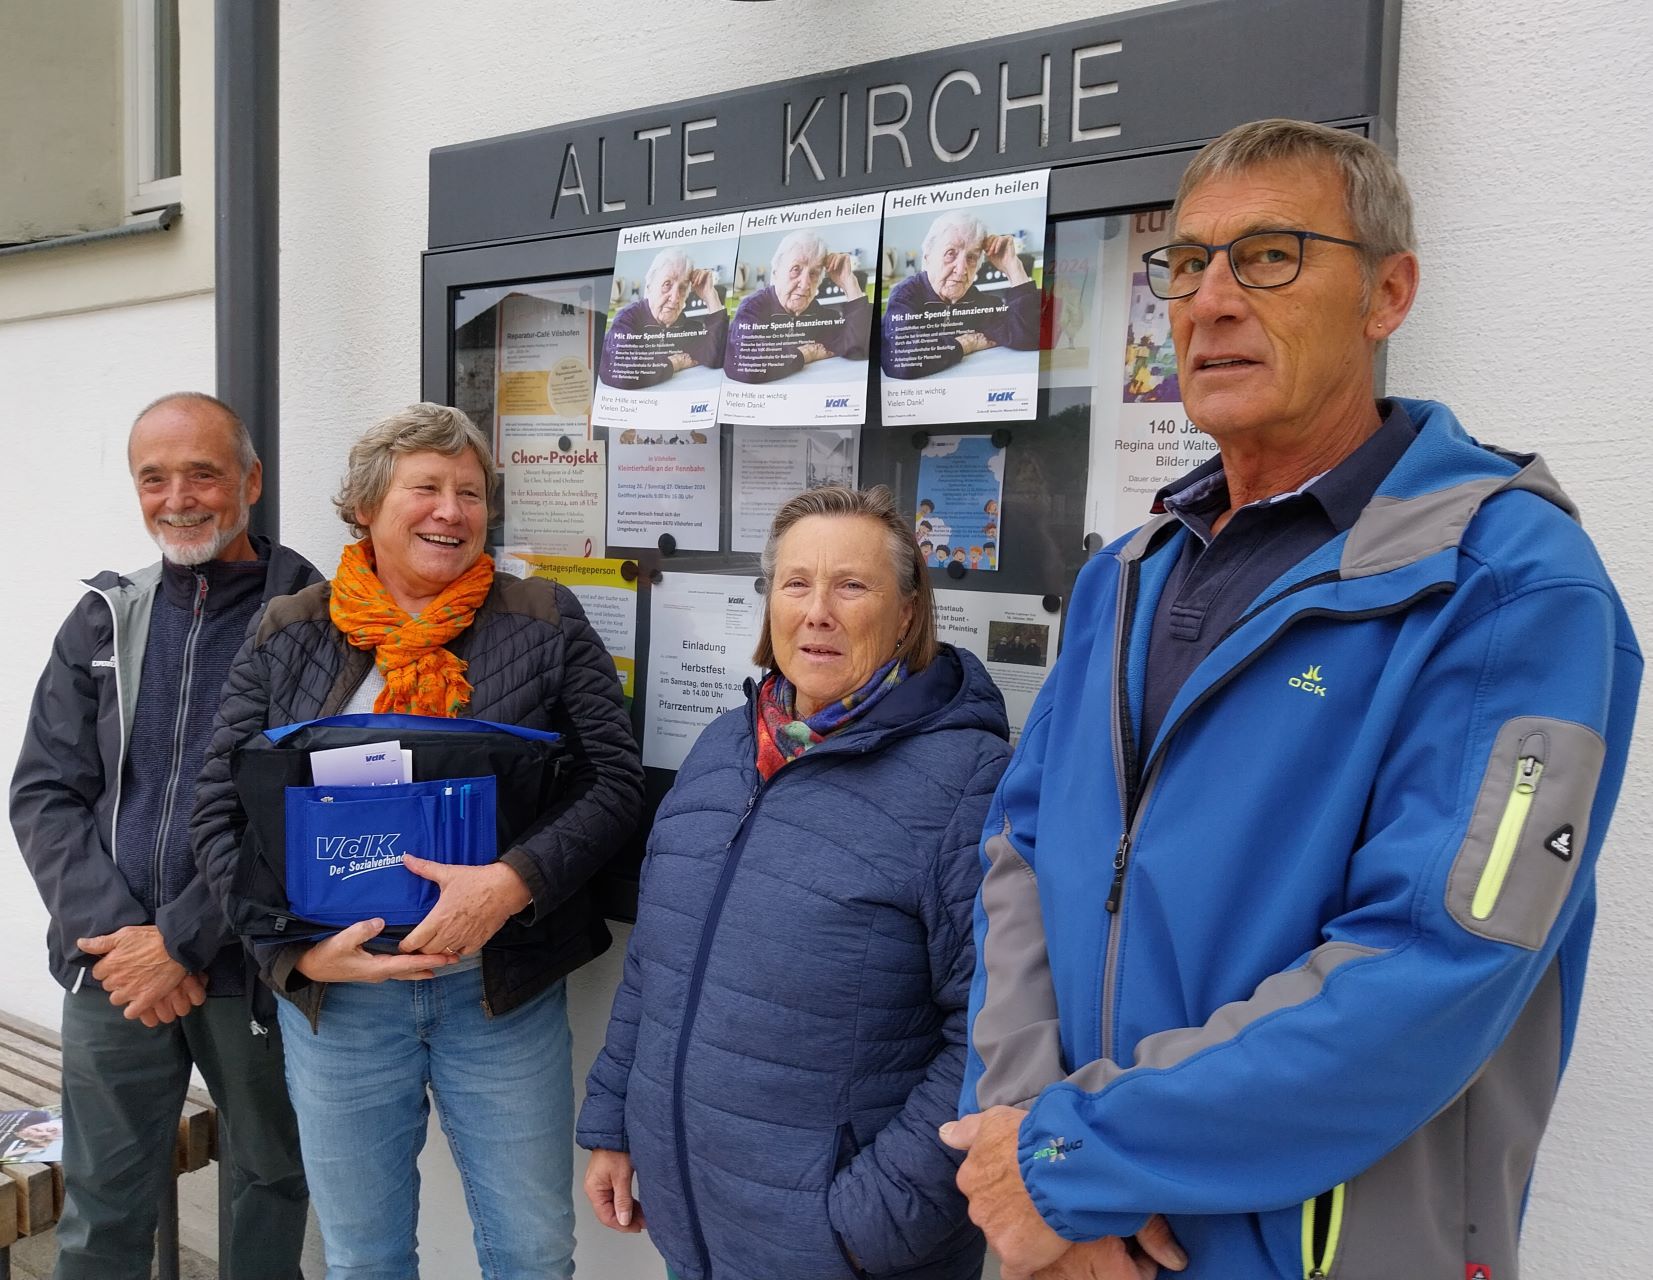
(469, 1008)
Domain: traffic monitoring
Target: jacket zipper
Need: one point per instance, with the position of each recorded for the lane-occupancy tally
(1322, 1227)
(1124, 756)
(1124, 731)
(691, 1007)
(179, 723)
(1528, 770)
(1135, 797)
(120, 715)
(120, 759)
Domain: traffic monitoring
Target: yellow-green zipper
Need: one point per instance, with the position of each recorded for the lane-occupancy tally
(1528, 770)
(1319, 1267)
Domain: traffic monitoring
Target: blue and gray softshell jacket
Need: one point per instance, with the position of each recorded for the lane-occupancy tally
(1303, 972)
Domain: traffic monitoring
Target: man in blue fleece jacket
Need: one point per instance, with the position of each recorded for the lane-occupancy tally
(1299, 966)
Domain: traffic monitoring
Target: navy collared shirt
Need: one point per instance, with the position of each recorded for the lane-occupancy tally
(1220, 576)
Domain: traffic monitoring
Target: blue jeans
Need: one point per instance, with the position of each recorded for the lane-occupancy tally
(504, 1092)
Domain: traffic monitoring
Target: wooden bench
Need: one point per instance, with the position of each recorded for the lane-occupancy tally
(31, 1195)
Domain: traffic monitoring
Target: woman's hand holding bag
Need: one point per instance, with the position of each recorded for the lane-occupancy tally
(342, 958)
(474, 903)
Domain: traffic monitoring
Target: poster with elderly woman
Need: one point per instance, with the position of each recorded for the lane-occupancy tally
(668, 320)
(963, 269)
(803, 318)
(32, 1134)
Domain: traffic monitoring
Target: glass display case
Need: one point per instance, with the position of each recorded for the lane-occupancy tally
(513, 334)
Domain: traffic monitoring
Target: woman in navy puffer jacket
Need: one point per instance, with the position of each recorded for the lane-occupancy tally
(789, 1033)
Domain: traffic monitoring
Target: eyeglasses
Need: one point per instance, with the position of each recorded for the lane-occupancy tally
(1261, 260)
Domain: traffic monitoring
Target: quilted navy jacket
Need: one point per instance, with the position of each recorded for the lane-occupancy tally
(789, 1032)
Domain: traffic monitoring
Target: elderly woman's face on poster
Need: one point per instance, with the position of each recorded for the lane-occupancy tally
(835, 607)
(798, 275)
(951, 263)
(668, 291)
(41, 1134)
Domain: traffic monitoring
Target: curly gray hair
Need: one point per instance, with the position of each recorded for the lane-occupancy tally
(419, 428)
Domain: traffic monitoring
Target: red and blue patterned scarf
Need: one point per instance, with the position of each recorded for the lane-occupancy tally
(783, 737)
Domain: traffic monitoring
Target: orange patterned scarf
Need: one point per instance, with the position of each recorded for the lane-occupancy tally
(421, 677)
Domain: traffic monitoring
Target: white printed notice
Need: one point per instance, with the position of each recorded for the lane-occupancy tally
(702, 629)
(964, 264)
(960, 490)
(1155, 442)
(664, 482)
(542, 386)
(607, 591)
(774, 464)
(668, 322)
(554, 496)
(803, 319)
(1012, 634)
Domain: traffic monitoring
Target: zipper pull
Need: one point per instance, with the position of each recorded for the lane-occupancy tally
(201, 594)
(1119, 857)
(1528, 770)
(751, 803)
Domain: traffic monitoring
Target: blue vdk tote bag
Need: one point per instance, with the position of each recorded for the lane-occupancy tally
(317, 858)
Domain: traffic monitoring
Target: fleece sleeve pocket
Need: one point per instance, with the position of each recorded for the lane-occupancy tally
(1527, 833)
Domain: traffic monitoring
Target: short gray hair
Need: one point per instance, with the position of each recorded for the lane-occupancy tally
(802, 243)
(419, 428)
(912, 579)
(1374, 193)
(246, 456)
(975, 230)
(664, 261)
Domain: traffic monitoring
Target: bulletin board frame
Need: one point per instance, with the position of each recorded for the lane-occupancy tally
(480, 189)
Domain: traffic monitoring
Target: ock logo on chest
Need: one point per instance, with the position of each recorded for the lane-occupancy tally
(1309, 682)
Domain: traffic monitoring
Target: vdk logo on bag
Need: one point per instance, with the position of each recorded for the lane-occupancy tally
(356, 855)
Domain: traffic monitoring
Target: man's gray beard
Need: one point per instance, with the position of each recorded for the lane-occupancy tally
(191, 556)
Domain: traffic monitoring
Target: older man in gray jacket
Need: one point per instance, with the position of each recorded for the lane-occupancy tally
(154, 980)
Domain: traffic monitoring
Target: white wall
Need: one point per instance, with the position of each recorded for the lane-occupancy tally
(71, 386)
(1523, 130)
